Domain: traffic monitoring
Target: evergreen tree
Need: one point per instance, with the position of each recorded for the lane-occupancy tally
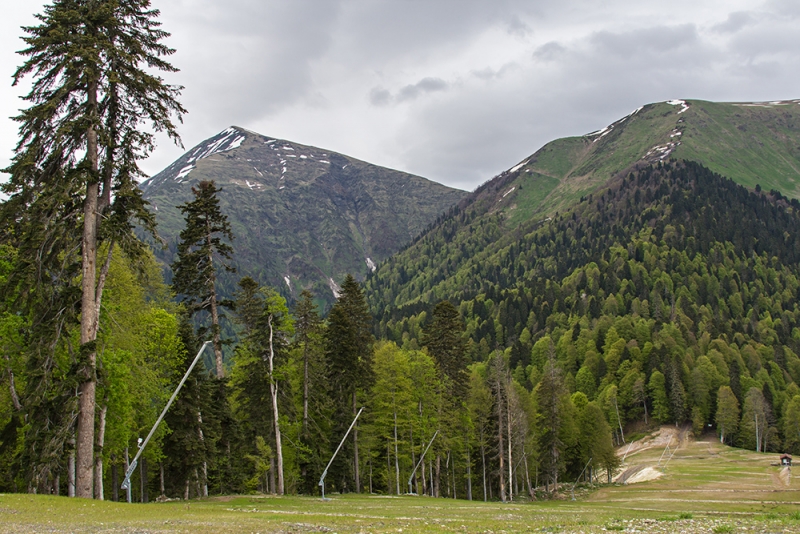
(658, 393)
(267, 327)
(348, 351)
(194, 271)
(90, 95)
(444, 340)
(556, 424)
(595, 439)
(309, 350)
(190, 447)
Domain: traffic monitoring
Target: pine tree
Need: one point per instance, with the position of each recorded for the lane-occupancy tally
(89, 98)
(348, 351)
(194, 272)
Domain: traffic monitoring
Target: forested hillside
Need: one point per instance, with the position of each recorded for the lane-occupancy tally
(657, 291)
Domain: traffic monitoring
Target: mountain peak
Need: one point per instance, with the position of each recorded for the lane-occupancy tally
(302, 216)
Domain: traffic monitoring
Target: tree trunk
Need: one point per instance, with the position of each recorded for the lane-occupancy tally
(272, 475)
(437, 480)
(644, 403)
(396, 456)
(469, 475)
(143, 480)
(127, 466)
(217, 342)
(413, 462)
(71, 469)
(355, 445)
(621, 433)
(500, 434)
(273, 392)
(508, 425)
(161, 479)
(11, 386)
(528, 476)
(88, 353)
(98, 461)
(202, 438)
(114, 480)
(305, 389)
(483, 466)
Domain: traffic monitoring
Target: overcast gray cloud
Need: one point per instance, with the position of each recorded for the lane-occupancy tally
(453, 90)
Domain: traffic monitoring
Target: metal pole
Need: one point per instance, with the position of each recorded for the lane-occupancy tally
(126, 483)
(421, 458)
(325, 473)
(579, 477)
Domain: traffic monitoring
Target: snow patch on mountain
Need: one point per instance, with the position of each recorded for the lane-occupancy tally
(682, 103)
(515, 168)
(371, 264)
(337, 291)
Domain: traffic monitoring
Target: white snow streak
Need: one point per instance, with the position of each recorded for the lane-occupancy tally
(518, 167)
(184, 172)
(371, 264)
(288, 282)
(509, 191)
(682, 103)
(337, 291)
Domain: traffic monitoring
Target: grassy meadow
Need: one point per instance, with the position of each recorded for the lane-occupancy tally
(702, 486)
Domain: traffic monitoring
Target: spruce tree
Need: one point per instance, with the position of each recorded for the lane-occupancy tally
(309, 350)
(72, 178)
(267, 327)
(195, 272)
(444, 340)
(348, 351)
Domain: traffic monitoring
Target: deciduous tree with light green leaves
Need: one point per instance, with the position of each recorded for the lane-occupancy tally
(727, 416)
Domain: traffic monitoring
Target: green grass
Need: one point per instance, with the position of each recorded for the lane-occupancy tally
(705, 487)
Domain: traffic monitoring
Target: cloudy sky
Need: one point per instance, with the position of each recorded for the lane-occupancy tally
(455, 91)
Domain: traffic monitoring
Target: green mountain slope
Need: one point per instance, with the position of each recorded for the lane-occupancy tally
(751, 143)
(656, 290)
(302, 217)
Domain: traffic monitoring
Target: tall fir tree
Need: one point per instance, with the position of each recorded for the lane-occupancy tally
(315, 429)
(444, 340)
(70, 186)
(348, 351)
(267, 328)
(201, 251)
